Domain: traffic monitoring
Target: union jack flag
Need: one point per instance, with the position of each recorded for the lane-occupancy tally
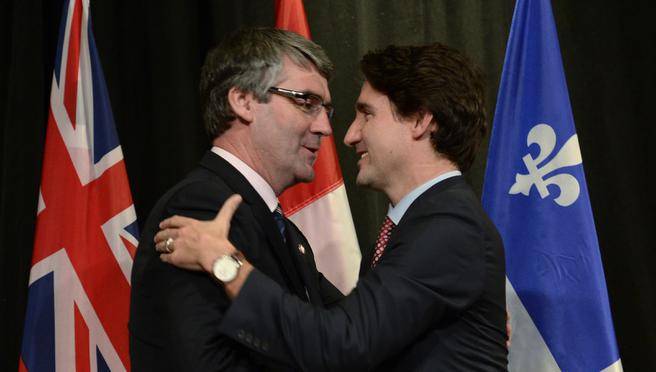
(86, 230)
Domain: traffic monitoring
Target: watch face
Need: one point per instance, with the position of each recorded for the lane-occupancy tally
(225, 268)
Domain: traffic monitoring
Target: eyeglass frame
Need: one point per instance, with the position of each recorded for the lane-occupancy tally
(295, 95)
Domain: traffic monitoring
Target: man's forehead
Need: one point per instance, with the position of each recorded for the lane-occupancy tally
(370, 97)
(306, 78)
(291, 67)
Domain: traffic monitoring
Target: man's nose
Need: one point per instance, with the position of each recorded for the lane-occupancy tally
(353, 134)
(321, 124)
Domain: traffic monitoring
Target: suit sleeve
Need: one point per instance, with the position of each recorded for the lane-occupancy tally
(433, 271)
(330, 295)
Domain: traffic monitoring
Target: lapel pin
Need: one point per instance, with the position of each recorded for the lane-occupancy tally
(301, 248)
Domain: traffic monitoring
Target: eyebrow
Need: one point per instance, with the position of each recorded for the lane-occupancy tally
(318, 95)
(363, 107)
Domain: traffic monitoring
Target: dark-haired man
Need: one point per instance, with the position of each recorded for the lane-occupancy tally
(266, 106)
(434, 298)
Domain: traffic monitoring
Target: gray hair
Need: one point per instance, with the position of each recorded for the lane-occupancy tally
(251, 60)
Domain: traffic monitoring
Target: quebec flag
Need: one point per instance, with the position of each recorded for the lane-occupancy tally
(535, 192)
(86, 229)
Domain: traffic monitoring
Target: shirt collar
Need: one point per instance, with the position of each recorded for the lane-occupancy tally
(259, 184)
(395, 213)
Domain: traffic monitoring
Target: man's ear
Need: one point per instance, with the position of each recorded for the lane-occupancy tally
(242, 104)
(423, 125)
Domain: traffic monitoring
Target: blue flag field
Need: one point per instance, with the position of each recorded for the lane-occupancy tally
(535, 192)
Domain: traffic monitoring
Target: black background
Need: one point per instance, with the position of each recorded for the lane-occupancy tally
(151, 52)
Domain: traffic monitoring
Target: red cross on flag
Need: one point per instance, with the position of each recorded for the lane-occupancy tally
(86, 229)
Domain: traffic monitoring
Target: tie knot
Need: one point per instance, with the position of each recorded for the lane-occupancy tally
(278, 211)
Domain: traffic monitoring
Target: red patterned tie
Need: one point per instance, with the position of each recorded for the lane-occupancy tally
(383, 238)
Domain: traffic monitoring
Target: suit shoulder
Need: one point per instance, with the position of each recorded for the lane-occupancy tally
(198, 191)
(456, 202)
(449, 224)
(198, 195)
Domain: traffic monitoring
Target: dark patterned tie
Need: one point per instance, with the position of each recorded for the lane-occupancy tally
(383, 239)
(280, 221)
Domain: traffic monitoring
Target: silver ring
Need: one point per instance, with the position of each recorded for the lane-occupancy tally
(168, 244)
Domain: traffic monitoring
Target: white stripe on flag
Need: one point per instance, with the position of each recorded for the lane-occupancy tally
(615, 367)
(528, 352)
(328, 226)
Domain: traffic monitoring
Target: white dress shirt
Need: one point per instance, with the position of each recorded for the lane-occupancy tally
(259, 184)
(396, 212)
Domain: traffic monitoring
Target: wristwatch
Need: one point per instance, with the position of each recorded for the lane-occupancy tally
(226, 268)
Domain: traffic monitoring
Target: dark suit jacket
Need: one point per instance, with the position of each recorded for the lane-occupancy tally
(435, 302)
(174, 313)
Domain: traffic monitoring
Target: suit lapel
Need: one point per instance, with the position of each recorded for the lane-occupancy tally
(416, 207)
(238, 183)
(418, 204)
(302, 254)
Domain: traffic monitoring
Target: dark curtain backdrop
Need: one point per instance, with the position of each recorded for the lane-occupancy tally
(152, 51)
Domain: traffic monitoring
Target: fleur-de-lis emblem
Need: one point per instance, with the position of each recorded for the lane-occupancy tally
(570, 154)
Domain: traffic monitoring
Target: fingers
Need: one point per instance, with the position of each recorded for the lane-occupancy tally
(176, 259)
(228, 210)
(165, 246)
(165, 239)
(165, 257)
(162, 235)
(180, 232)
(176, 222)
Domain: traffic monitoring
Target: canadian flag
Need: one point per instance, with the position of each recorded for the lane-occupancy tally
(320, 208)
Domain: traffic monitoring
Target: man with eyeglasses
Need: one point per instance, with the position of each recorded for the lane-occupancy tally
(433, 298)
(266, 106)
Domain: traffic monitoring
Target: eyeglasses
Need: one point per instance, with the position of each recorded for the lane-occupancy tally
(307, 102)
